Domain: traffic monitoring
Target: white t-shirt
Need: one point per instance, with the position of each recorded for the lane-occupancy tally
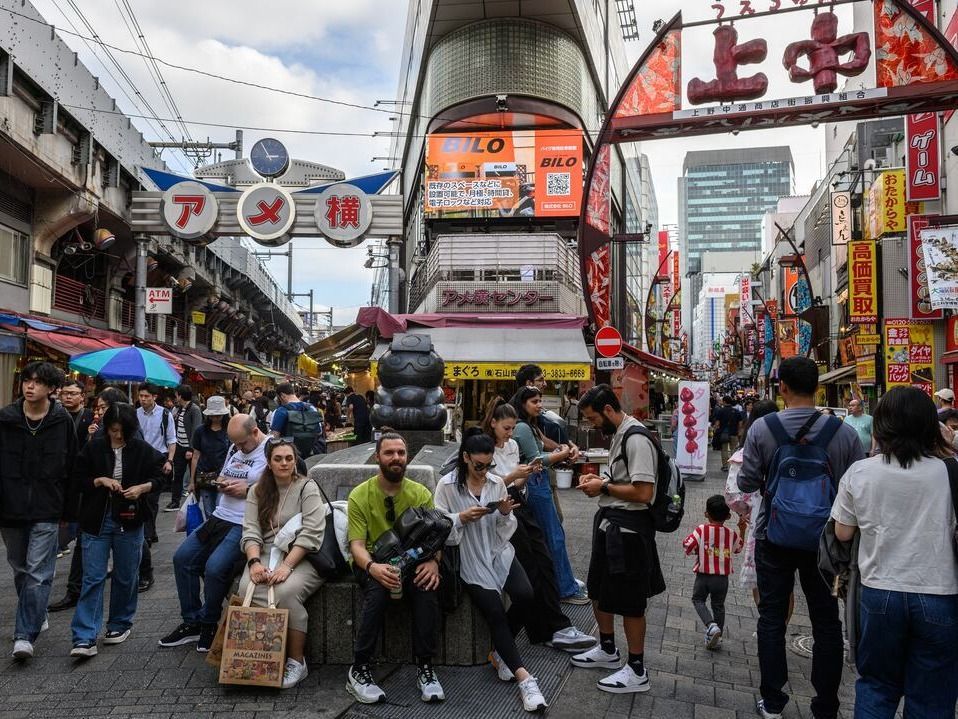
(506, 458)
(247, 466)
(906, 520)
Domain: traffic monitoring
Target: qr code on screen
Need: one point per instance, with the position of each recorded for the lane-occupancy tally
(558, 183)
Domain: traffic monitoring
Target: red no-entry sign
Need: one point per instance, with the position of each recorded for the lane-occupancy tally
(608, 342)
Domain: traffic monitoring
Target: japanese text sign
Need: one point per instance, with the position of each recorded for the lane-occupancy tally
(922, 157)
(745, 299)
(940, 249)
(862, 283)
(909, 352)
(343, 214)
(841, 217)
(920, 304)
(885, 206)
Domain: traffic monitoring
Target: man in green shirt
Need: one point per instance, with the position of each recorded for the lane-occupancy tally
(861, 423)
(373, 508)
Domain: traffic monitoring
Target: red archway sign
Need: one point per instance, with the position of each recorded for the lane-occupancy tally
(608, 342)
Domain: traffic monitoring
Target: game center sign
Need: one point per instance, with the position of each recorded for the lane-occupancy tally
(900, 65)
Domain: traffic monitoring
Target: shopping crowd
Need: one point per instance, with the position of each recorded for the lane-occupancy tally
(798, 475)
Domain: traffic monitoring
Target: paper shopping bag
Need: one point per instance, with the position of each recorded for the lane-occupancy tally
(254, 644)
(215, 653)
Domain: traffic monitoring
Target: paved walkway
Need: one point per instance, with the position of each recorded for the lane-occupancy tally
(139, 679)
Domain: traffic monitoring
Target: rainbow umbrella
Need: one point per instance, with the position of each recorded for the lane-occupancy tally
(131, 364)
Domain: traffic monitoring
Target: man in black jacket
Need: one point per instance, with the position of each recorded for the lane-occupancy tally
(38, 446)
(188, 417)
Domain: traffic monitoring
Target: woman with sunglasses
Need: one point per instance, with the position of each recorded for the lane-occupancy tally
(280, 494)
(481, 511)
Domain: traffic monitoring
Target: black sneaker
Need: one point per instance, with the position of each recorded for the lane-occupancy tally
(207, 632)
(144, 585)
(172, 507)
(68, 602)
(183, 634)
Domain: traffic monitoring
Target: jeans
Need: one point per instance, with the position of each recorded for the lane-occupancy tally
(775, 569)
(714, 586)
(907, 646)
(32, 554)
(425, 618)
(539, 499)
(207, 499)
(217, 563)
(504, 625)
(180, 468)
(126, 545)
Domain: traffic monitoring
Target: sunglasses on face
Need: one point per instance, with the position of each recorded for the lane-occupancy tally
(390, 509)
(482, 467)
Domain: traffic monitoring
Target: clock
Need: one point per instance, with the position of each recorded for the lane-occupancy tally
(269, 157)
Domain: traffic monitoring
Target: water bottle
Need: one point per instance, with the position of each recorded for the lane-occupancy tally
(396, 564)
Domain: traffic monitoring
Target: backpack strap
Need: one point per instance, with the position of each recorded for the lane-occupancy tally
(951, 464)
(777, 429)
(631, 432)
(827, 432)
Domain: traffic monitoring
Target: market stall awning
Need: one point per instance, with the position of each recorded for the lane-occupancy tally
(165, 354)
(655, 362)
(836, 375)
(949, 357)
(491, 353)
(208, 368)
(70, 344)
(257, 370)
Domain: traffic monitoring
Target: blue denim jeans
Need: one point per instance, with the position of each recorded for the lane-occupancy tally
(539, 498)
(32, 554)
(207, 499)
(126, 545)
(907, 647)
(216, 564)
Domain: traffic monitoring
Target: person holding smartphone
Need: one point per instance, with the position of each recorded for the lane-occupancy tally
(483, 523)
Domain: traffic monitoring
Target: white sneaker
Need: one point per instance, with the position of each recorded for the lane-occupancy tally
(580, 597)
(597, 658)
(294, 673)
(713, 636)
(22, 649)
(45, 626)
(571, 639)
(504, 672)
(430, 690)
(760, 709)
(360, 684)
(532, 699)
(625, 681)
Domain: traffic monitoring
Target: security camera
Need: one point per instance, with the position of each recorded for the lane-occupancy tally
(501, 103)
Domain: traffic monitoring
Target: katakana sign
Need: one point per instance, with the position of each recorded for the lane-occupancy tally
(343, 214)
(266, 212)
(189, 210)
(503, 298)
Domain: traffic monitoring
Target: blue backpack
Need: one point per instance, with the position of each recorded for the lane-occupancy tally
(799, 486)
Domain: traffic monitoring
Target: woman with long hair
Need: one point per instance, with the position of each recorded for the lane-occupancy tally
(547, 623)
(279, 495)
(481, 510)
(210, 445)
(114, 474)
(527, 403)
(900, 503)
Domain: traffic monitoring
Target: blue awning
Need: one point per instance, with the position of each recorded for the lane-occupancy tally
(16, 320)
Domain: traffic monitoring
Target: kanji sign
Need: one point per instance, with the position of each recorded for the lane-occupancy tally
(343, 214)
(218, 341)
(266, 212)
(745, 300)
(862, 283)
(940, 250)
(909, 352)
(607, 364)
(159, 300)
(552, 371)
(608, 342)
(921, 308)
(189, 210)
(841, 217)
(923, 157)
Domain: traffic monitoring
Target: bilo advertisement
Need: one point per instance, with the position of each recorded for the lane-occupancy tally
(521, 173)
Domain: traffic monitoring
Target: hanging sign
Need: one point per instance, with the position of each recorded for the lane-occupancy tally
(189, 210)
(862, 284)
(218, 341)
(266, 212)
(885, 204)
(841, 218)
(343, 214)
(198, 317)
(909, 353)
(745, 300)
(922, 156)
(940, 250)
(159, 300)
(921, 308)
(693, 427)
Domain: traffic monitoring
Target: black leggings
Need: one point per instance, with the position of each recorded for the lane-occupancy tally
(504, 625)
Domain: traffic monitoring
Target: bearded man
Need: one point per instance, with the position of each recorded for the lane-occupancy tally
(373, 508)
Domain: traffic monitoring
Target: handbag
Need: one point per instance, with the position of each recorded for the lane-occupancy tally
(190, 516)
(254, 643)
(328, 560)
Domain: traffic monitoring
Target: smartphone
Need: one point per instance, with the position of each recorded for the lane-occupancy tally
(492, 506)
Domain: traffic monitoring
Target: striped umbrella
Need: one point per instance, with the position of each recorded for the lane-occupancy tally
(131, 364)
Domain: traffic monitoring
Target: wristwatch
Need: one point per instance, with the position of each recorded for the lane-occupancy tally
(605, 487)
(254, 560)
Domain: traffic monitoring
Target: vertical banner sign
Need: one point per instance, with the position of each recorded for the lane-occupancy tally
(663, 253)
(745, 300)
(921, 308)
(693, 440)
(922, 157)
(951, 35)
(677, 294)
(841, 217)
(909, 352)
(790, 294)
(787, 338)
(951, 334)
(863, 290)
(940, 249)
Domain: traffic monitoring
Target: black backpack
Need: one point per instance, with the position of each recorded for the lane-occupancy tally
(305, 426)
(668, 501)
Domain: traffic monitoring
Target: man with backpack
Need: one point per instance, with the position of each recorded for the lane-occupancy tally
(796, 457)
(624, 569)
(299, 420)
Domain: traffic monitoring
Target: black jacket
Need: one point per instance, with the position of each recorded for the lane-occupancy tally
(82, 421)
(141, 463)
(35, 466)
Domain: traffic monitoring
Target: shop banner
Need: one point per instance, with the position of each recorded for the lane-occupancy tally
(218, 341)
(865, 371)
(951, 35)
(909, 353)
(841, 217)
(693, 431)
(521, 173)
(951, 334)
(885, 204)
(768, 338)
(787, 338)
(917, 277)
(790, 296)
(862, 283)
(940, 249)
(663, 266)
(552, 371)
(923, 157)
(677, 295)
(745, 299)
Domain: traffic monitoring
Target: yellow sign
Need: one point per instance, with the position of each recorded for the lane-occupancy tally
(865, 370)
(218, 341)
(556, 371)
(909, 352)
(862, 283)
(199, 318)
(868, 339)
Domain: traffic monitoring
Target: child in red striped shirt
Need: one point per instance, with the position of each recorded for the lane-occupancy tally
(713, 544)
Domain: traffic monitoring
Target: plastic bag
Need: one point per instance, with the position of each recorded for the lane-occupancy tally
(738, 501)
(190, 515)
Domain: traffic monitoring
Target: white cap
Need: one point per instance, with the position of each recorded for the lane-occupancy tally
(945, 394)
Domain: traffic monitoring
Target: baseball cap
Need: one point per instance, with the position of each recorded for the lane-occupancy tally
(945, 394)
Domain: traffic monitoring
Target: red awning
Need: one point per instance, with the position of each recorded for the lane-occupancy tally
(950, 357)
(650, 360)
(70, 344)
(209, 368)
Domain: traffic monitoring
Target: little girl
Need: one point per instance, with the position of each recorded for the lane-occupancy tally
(714, 544)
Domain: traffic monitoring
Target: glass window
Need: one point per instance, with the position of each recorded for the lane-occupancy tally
(14, 255)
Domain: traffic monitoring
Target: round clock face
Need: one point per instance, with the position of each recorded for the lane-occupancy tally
(269, 157)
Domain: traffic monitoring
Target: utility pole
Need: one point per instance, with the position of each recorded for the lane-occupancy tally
(393, 244)
(203, 150)
(289, 264)
(139, 310)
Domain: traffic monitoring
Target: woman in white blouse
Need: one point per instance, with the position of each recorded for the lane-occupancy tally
(483, 523)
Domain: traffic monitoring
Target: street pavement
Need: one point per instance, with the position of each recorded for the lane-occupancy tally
(140, 679)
